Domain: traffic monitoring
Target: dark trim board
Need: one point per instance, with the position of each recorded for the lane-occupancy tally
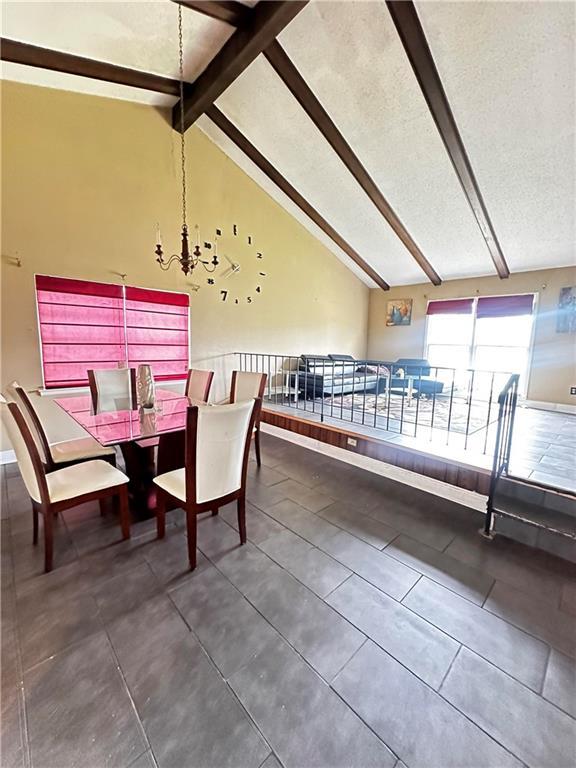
(399, 456)
(291, 77)
(265, 22)
(405, 18)
(229, 11)
(228, 128)
(57, 61)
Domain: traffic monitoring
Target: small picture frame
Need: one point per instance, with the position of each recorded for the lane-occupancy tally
(399, 312)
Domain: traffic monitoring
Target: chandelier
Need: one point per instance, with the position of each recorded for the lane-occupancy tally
(187, 261)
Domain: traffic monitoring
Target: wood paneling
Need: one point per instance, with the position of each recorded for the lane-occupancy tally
(399, 456)
(405, 18)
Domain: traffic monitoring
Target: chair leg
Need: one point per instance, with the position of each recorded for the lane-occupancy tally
(214, 511)
(124, 512)
(191, 532)
(160, 514)
(34, 524)
(242, 519)
(257, 446)
(48, 540)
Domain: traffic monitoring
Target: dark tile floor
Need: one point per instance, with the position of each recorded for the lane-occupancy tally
(364, 624)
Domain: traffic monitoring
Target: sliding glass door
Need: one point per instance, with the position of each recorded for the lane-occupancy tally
(487, 333)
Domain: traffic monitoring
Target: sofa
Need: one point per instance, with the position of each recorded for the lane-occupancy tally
(326, 375)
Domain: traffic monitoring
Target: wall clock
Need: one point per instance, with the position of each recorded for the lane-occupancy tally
(242, 273)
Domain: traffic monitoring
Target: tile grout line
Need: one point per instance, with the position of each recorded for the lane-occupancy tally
(400, 602)
(129, 694)
(22, 706)
(546, 666)
(449, 703)
(215, 666)
(450, 667)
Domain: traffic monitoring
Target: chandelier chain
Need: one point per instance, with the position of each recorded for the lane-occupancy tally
(182, 143)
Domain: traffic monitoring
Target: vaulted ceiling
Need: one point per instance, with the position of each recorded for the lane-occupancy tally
(420, 142)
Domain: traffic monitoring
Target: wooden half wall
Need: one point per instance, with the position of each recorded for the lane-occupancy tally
(440, 468)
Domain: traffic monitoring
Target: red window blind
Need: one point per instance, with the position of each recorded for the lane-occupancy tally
(81, 327)
(450, 307)
(87, 325)
(157, 331)
(505, 306)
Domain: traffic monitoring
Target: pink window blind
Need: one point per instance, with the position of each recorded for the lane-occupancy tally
(81, 327)
(87, 325)
(157, 331)
(450, 307)
(505, 306)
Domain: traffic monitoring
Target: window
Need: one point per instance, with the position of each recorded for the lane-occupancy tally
(490, 333)
(87, 325)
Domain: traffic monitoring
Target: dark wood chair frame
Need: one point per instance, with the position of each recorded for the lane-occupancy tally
(50, 509)
(50, 465)
(260, 396)
(94, 389)
(208, 383)
(190, 506)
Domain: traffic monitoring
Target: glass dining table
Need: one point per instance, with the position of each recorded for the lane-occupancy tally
(137, 432)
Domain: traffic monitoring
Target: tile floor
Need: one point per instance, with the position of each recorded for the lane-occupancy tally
(364, 624)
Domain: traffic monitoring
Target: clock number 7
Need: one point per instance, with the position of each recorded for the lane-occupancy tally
(223, 294)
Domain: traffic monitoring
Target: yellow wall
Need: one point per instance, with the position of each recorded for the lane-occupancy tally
(84, 181)
(552, 370)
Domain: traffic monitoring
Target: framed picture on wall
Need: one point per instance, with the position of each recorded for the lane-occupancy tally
(566, 315)
(399, 312)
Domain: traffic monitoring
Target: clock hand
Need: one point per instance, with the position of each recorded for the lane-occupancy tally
(230, 260)
(230, 271)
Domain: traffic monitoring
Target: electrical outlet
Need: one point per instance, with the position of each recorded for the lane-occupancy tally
(352, 442)
(573, 390)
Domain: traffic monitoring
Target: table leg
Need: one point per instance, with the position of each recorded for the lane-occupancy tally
(410, 392)
(140, 468)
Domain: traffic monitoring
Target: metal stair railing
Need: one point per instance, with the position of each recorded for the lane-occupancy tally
(507, 402)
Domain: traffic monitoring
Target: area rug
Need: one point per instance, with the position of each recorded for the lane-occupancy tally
(438, 413)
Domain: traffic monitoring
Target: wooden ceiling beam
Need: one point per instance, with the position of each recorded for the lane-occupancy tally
(57, 61)
(233, 13)
(292, 78)
(413, 39)
(265, 22)
(230, 130)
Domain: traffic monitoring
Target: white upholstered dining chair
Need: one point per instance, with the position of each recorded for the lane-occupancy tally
(246, 386)
(217, 446)
(198, 385)
(64, 488)
(62, 454)
(113, 389)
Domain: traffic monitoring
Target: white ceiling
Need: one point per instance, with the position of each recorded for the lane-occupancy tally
(507, 68)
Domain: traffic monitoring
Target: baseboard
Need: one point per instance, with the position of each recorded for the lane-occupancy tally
(7, 457)
(544, 406)
(453, 493)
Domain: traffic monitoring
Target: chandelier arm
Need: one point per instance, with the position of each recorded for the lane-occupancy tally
(165, 264)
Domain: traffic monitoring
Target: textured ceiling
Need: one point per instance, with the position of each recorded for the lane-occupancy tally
(134, 34)
(508, 71)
